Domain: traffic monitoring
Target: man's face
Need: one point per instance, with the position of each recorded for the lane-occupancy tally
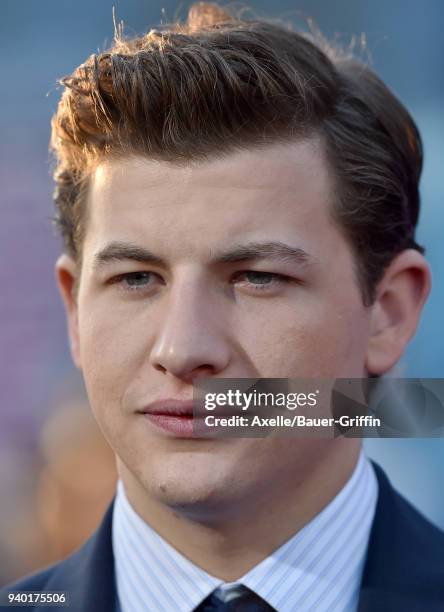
(147, 330)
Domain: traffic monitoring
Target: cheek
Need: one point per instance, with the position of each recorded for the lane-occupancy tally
(306, 342)
(341, 341)
(110, 351)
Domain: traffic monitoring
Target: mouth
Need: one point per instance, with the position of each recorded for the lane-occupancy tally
(176, 417)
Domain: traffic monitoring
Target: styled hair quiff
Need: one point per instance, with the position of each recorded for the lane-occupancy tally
(218, 84)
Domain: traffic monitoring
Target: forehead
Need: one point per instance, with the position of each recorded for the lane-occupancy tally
(282, 191)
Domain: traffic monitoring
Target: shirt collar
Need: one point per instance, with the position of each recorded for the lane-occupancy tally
(319, 568)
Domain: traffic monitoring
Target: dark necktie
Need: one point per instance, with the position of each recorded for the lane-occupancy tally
(241, 599)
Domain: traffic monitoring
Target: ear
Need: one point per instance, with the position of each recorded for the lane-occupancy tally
(401, 295)
(66, 276)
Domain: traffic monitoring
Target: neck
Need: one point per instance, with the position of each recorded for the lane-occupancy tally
(228, 544)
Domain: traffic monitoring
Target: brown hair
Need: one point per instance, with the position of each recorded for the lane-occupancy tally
(217, 84)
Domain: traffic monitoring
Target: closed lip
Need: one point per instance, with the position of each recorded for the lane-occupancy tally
(171, 407)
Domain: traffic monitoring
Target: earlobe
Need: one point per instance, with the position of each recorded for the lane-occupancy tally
(66, 276)
(401, 295)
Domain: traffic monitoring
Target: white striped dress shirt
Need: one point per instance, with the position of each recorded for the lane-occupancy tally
(319, 569)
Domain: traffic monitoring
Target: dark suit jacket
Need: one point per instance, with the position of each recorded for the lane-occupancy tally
(404, 569)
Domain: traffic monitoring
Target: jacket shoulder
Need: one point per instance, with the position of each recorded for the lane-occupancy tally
(86, 576)
(406, 526)
(405, 561)
(50, 578)
(35, 581)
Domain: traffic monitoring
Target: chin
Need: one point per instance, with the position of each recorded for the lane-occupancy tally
(193, 490)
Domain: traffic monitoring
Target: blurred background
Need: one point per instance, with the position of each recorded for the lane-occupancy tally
(56, 472)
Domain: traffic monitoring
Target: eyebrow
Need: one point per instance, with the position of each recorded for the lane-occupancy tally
(252, 251)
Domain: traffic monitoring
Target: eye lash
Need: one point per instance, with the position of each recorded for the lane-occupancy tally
(274, 276)
(118, 279)
(265, 273)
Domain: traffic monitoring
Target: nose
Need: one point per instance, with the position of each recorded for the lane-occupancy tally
(190, 339)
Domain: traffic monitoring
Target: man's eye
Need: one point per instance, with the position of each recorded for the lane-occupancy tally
(134, 281)
(262, 280)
